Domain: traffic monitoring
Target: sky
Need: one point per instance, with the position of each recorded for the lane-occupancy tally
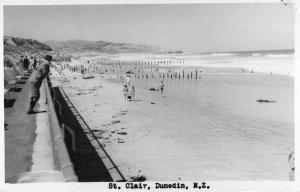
(188, 27)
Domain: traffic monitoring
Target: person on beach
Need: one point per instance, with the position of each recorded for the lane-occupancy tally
(132, 93)
(161, 87)
(125, 92)
(35, 81)
(291, 160)
(128, 80)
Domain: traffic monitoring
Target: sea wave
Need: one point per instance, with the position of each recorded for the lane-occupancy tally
(255, 54)
(279, 55)
(221, 54)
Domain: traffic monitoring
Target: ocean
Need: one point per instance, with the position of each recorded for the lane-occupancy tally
(214, 129)
(275, 62)
(272, 61)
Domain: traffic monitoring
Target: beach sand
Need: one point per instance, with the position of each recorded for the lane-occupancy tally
(206, 129)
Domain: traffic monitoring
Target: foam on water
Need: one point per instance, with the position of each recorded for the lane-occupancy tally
(274, 62)
(282, 64)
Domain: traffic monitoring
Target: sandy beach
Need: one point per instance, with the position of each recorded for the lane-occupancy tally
(209, 128)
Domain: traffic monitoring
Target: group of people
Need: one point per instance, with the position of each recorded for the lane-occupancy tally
(28, 62)
(128, 89)
(129, 93)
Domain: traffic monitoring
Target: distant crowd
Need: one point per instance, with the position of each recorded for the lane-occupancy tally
(29, 62)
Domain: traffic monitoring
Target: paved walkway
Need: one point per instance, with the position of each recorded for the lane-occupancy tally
(28, 148)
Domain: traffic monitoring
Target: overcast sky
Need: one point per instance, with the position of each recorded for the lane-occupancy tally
(189, 27)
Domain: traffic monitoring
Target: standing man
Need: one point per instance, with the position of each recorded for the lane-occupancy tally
(34, 64)
(25, 63)
(21, 63)
(21, 60)
(31, 63)
(35, 81)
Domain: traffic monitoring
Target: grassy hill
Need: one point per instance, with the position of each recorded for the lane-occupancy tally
(81, 46)
(14, 47)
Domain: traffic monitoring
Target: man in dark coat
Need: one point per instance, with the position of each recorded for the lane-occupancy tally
(25, 63)
(35, 81)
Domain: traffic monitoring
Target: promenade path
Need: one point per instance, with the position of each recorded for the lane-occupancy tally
(28, 147)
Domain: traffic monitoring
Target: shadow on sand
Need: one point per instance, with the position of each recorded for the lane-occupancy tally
(88, 165)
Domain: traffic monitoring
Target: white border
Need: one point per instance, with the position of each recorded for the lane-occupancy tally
(72, 2)
(237, 186)
(2, 154)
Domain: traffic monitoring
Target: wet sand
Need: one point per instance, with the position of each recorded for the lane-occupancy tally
(210, 128)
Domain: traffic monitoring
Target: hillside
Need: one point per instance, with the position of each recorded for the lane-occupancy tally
(80, 46)
(14, 47)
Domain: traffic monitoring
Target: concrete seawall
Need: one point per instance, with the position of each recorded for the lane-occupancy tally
(30, 155)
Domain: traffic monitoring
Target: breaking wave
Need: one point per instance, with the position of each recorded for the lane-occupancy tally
(221, 54)
(255, 54)
(279, 55)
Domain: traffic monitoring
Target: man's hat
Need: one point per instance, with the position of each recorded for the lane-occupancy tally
(48, 57)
